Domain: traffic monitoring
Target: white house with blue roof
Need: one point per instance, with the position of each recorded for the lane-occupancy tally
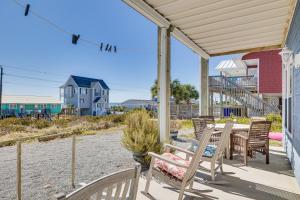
(88, 96)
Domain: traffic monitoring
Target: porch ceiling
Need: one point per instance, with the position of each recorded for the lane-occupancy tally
(219, 27)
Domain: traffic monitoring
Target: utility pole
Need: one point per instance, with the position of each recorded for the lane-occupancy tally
(1, 84)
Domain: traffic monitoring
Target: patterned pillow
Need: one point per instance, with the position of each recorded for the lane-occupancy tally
(170, 169)
(209, 151)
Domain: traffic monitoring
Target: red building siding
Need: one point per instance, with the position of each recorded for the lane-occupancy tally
(270, 70)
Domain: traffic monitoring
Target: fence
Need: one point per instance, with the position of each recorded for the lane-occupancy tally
(228, 110)
(41, 170)
(184, 111)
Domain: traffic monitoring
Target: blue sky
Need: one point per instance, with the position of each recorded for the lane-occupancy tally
(45, 53)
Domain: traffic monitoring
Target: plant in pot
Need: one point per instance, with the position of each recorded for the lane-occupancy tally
(141, 136)
(175, 125)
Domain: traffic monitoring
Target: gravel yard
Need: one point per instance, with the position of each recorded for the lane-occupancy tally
(46, 167)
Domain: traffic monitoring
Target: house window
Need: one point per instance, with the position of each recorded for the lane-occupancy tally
(53, 106)
(36, 106)
(103, 92)
(13, 106)
(81, 100)
(79, 90)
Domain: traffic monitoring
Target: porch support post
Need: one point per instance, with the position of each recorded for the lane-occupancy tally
(204, 98)
(164, 80)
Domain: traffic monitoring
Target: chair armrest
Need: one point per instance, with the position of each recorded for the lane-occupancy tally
(154, 155)
(216, 132)
(241, 136)
(179, 149)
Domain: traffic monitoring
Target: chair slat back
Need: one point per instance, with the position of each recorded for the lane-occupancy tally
(224, 139)
(259, 131)
(208, 119)
(199, 126)
(198, 154)
(120, 185)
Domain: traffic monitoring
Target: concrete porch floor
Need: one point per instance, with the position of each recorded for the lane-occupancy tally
(255, 181)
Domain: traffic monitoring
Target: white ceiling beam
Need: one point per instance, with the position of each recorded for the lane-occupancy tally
(150, 13)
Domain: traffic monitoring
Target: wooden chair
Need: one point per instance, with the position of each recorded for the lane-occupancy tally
(189, 168)
(200, 124)
(219, 142)
(120, 185)
(256, 140)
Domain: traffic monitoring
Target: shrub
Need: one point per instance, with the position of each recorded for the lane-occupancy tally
(77, 131)
(118, 119)
(141, 134)
(187, 124)
(62, 123)
(175, 125)
(52, 131)
(41, 123)
(15, 121)
(274, 118)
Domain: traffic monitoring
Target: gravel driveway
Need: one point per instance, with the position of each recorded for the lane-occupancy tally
(46, 167)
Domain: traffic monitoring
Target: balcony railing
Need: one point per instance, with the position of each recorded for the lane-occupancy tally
(242, 81)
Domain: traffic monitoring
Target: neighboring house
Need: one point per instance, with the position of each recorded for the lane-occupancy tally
(88, 96)
(267, 67)
(18, 105)
(291, 95)
(139, 103)
(241, 81)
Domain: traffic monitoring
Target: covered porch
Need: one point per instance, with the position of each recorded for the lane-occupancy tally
(256, 181)
(211, 28)
(215, 28)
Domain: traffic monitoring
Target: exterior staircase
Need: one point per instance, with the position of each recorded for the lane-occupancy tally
(240, 89)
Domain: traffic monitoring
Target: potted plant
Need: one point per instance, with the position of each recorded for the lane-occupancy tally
(175, 125)
(141, 136)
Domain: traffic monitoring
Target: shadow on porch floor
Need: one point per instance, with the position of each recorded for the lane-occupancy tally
(255, 181)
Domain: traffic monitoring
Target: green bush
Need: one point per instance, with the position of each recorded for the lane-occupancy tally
(274, 118)
(141, 134)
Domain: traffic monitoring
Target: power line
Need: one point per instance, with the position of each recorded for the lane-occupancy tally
(29, 85)
(31, 70)
(33, 78)
(63, 30)
(105, 47)
(49, 73)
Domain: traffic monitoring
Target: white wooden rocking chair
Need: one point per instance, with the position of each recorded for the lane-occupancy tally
(219, 141)
(121, 185)
(189, 169)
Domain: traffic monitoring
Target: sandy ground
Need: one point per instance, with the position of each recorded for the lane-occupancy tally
(46, 167)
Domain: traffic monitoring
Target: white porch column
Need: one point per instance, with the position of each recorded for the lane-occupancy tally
(203, 90)
(164, 80)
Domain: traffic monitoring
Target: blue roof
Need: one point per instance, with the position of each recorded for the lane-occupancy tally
(86, 82)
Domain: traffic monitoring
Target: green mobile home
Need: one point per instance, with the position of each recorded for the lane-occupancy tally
(29, 104)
